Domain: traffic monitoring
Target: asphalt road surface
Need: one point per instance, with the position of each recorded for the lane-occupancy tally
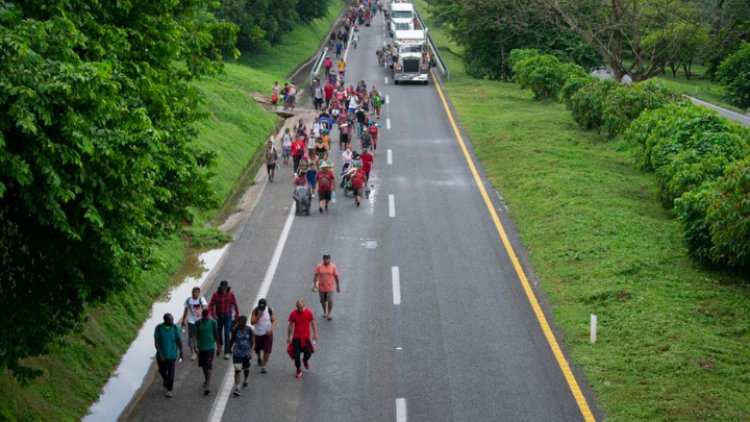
(463, 344)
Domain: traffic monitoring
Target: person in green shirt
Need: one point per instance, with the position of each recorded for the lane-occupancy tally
(208, 343)
(167, 341)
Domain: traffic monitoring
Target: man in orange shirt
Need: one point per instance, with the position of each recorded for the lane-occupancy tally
(326, 275)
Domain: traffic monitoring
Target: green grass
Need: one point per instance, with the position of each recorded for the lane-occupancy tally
(76, 369)
(674, 339)
(698, 86)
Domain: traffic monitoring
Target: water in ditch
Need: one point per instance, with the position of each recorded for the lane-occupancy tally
(135, 363)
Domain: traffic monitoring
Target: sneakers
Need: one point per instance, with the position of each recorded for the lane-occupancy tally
(237, 391)
(320, 209)
(263, 370)
(206, 391)
(307, 365)
(244, 384)
(357, 203)
(298, 374)
(169, 394)
(226, 356)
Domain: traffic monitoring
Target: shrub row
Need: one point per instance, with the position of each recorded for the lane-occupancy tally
(611, 107)
(702, 164)
(701, 160)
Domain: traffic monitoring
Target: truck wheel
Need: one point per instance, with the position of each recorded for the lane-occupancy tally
(395, 82)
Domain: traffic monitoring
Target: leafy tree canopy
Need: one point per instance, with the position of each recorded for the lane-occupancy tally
(97, 154)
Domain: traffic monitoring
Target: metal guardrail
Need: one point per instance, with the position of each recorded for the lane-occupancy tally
(435, 53)
(318, 63)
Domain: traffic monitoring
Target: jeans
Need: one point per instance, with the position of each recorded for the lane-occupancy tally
(225, 327)
(166, 370)
(298, 349)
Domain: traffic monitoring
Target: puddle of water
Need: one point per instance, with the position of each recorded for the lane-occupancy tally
(134, 366)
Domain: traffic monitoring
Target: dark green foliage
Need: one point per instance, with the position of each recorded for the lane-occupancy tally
(734, 75)
(694, 153)
(262, 23)
(97, 153)
(489, 31)
(625, 103)
(716, 218)
(730, 25)
(587, 104)
(542, 74)
(571, 86)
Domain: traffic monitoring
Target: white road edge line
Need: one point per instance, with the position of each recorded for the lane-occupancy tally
(390, 157)
(387, 99)
(386, 80)
(396, 286)
(401, 410)
(388, 123)
(217, 412)
(348, 44)
(391, 206)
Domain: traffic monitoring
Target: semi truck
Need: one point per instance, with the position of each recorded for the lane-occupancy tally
(414, 60)
(402, 17)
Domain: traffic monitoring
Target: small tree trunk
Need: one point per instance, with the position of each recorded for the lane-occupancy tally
(674, 70)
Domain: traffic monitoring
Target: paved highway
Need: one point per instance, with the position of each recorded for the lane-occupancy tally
(432, 323)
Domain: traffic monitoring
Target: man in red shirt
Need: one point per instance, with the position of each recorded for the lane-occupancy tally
(358, 183)
(298, 148)
(325, 180)
(298, 336)
(367, 161)
(325, 279)
(220, 308)
(373, 130)
(328, 92)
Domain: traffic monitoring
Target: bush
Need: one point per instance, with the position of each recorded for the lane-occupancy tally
(625, 103)
(686, 145)
(728, 217)
(704, 158)
(716, 218)
(734, 75)
(519, 54)
(572, 84)
(587, 104)
(542, 74)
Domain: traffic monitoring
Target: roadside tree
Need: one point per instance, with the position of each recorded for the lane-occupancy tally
(97, 155)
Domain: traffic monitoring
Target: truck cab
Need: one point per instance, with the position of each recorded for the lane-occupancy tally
(413, 58)
(402, 17)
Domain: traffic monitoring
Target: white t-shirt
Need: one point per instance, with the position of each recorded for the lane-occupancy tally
(286, 140)
(195, 307)
(316, 129)
(263, 324)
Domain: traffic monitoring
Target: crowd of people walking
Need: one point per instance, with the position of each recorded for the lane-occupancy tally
(216, 327)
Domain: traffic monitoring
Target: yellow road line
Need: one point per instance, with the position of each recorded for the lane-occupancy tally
(553, 344)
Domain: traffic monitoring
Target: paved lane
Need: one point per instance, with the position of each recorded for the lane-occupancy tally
(463, 344)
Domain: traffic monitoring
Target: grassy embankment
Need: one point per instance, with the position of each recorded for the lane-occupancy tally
(698, 86)
(673, 340)
(75, 371)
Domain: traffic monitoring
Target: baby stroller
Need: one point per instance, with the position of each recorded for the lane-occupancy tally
(302, 199)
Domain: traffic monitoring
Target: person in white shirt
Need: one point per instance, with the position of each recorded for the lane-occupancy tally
(194, 306)
(264, 322)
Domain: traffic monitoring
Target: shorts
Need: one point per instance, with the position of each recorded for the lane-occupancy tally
(286, 152)
(206, 358)
(270, 167)
(241, 362)
(264, 343)
(324, 195)
(326, 297)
